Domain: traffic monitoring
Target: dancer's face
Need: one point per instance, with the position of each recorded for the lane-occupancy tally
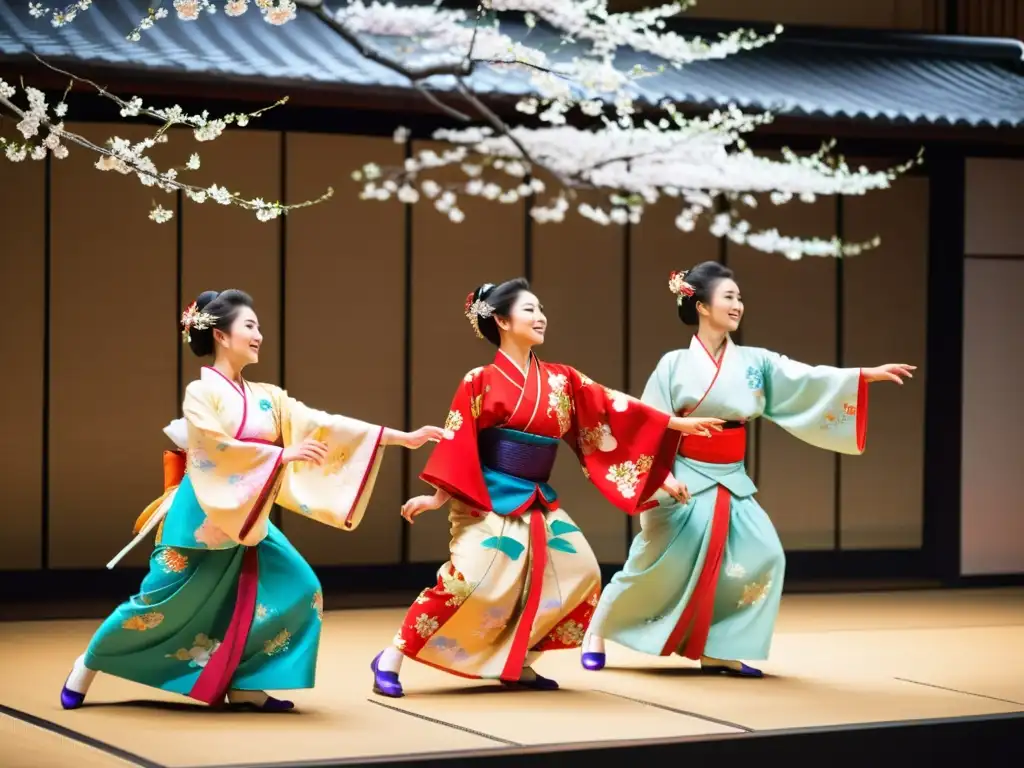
(526, 322)
(241, 344)
(726, 307)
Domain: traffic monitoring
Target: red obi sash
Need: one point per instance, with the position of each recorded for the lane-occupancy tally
(725, 447)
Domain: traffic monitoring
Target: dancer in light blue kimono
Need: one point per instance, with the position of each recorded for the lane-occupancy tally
(704, 576)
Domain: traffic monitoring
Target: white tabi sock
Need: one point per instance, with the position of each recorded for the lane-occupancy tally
(390, 660)
(593, 644)
(259, 698)
(81, 677)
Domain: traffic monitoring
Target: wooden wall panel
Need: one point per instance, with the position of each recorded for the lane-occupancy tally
(113, 354)
(791, 309)
(227, 247)
(991, 523)
(344, 324)
(993, 225)
(578, 273)
(448, 261)
(22, 347)
(658, 248)
(885, 321)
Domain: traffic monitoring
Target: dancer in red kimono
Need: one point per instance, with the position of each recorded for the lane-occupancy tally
(522, 579)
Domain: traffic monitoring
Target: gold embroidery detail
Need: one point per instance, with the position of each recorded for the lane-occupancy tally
(335, 460)
(597, 438)
(261, 613)
(756, 591)
(200, 652)
(426, 625)
(278, 643)
(559, 401)
(477, 406)
(143, 621)
(569, 632)
(585, 380)
(626, 475)
(452, 424)
(458, 588)
(398, 641)
(472, 374)
(172, 561)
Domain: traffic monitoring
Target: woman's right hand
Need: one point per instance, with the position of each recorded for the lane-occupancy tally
(313, 451)
(695, 425)
(417, 505)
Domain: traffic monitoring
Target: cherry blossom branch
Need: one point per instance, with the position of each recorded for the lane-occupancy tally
(126, 158)
(632, 154)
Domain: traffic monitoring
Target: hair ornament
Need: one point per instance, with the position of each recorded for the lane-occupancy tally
(475, 310)
(678, 285)
(191, 318)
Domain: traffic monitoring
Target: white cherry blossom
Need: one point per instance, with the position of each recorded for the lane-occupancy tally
(585, 120)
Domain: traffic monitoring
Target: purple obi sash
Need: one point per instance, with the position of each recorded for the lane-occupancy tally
(519, 454)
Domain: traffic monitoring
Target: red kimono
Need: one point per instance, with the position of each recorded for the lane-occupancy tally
(521, 576)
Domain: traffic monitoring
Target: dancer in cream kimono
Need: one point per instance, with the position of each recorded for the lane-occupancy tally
(704, 576)
(229, 608)
(522, 578)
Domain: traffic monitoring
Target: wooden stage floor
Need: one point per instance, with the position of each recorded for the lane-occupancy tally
(836, 660)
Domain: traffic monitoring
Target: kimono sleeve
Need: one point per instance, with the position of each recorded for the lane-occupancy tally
(824, 406)
(338, 491)
(233, 479)
(626, 447)
(454, 464)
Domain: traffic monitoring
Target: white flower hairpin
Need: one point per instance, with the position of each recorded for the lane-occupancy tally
(191, 318)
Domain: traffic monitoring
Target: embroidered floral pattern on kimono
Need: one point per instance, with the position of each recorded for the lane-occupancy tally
(279, 643)
(262, 613)
(755, 378)
(452, 424)
(200, 652)
(493, 623)
(456, 586)
(626, 475)
(559, 401)
(569, 633)
(735, 571)
(426, 625)
(756, 591)
(597, 438)
(620, 401)
(143, 622)
(172, 561)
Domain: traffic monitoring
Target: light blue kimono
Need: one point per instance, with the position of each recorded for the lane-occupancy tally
(645, 605)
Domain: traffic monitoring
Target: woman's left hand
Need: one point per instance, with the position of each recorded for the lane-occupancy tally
(676, 490)
(423, 435)
(889, 372)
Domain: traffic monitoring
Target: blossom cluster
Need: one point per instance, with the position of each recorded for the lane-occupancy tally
(587, 123)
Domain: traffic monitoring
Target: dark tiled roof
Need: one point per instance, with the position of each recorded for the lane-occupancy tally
(870, 77)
